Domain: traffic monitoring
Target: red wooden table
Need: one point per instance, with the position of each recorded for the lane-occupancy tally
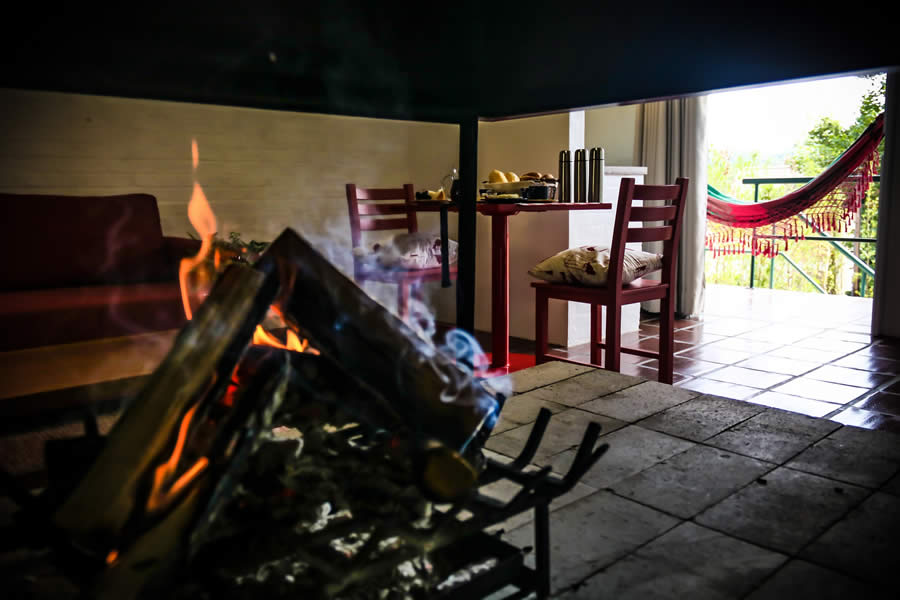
(500, 214)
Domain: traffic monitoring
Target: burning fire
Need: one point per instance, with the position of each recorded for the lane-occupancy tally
(264, 338)
(159, 495)
(203, 219)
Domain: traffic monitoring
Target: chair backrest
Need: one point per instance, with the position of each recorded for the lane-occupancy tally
(665, 218)
(368, 207)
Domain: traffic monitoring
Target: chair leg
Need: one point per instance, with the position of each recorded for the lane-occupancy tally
(541, 318)
(596, 333)
(666, 339)
(613, 337)
(403, 300)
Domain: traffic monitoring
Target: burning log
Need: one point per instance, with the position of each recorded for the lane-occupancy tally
(171, 450)
(450, 412)
(441, 400)
(178, 450)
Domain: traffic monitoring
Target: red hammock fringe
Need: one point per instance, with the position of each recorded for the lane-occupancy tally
(828, 203)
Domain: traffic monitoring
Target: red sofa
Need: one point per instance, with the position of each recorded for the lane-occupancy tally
(88, 267)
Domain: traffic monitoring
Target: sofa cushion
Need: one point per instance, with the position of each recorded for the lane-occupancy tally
(44, 317)
(62, 241)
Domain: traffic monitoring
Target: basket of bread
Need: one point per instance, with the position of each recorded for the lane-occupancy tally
(509, 187)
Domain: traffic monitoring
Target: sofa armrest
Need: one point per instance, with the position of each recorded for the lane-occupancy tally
(178, 248)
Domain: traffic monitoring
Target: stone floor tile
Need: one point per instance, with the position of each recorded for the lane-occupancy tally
(564, 431)
(635, 403)
(701, 418)
(716, 355)
(521, 409)
(783, 510)
(892, 486)
(870, 363)
(805, 354)
(778, 364)
(544, 374)
(820, 390)
(860, 456)
(687, 562)
(587, 386)
(631, 450)
(805, 406)
(747, 377)
(848, 376)
(864, 544)
(504, 490)
(773, 435)
(800, 580)
(691, 481)
(867, 419)
(592, 533)
(719, 388)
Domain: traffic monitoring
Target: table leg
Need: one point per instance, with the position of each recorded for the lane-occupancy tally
(500, 291)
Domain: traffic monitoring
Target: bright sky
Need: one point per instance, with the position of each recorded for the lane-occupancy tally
(772, 119)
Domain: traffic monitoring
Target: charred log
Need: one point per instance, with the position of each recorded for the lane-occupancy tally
(438, 398)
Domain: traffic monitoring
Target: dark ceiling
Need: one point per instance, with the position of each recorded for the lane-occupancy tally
(440, 62)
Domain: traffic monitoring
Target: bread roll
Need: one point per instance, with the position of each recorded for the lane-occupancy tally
(497, 177)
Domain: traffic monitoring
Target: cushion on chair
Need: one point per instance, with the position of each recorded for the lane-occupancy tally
(406, 251)
(588, 265)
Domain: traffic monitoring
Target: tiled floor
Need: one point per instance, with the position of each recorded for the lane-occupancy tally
(807, 353)
(700, 496)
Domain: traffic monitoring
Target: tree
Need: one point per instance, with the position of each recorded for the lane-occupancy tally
(823, 263)
(825, 142)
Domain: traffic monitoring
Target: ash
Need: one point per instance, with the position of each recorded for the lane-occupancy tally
(323, 510)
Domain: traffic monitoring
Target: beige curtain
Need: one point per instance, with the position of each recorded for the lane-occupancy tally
(672, 144)
(885, 316)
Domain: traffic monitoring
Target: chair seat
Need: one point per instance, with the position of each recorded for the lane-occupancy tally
(639, 290)
(402, 275)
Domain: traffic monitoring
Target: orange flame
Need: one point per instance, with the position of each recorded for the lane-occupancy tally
(264, 338)
(204, 221)
(158, 496)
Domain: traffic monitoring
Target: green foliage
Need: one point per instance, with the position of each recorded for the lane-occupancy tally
(825, 142)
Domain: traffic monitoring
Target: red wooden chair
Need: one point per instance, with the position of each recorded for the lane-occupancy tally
(367, 208)
(614, 295)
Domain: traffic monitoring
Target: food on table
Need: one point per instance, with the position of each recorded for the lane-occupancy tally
(438, 195)
(530, 176)
(511, 177)
(497, 176)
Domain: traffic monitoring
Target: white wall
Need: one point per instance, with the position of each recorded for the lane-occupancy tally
(262, 170)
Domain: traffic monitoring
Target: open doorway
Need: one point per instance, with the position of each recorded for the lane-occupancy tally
(793, 330)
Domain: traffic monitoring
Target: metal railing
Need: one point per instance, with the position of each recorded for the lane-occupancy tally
(866, 270)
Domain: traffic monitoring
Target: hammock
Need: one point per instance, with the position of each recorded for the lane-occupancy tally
(828, 203)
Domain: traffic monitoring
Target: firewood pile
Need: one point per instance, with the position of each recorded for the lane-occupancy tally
(243, 470)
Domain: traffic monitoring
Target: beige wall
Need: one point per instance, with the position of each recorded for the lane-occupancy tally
(522, 145)
(614, 129)
(261, 170)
